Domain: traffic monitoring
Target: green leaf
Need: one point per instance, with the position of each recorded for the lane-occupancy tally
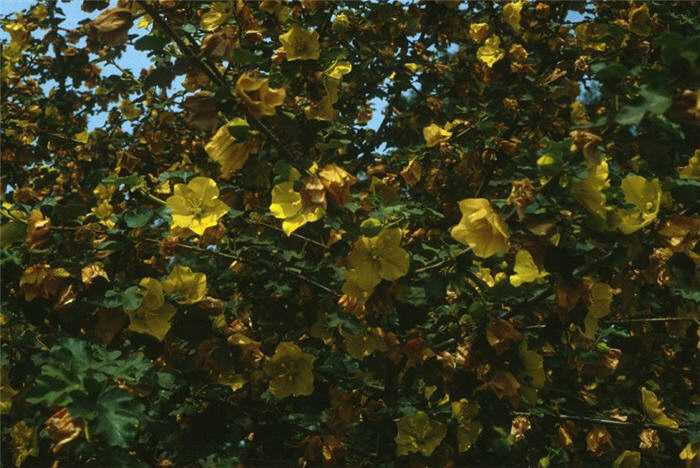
(159, 76)
(655, 102)
(131, 298)
(152, 42)
(630, 115)
(238, 128)
(690, 294)
(138, 217)
(131, 179)
(245, 56)
(11, 233)
(119, 415)
(181, 174)
(189, 28)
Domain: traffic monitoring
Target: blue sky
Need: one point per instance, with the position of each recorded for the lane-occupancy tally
(135, 60)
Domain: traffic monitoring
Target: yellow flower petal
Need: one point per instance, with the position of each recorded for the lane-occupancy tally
(692, 170)
(645, 195)
(640, 21)
(481, 228)
(153, 316)
(491, 52)
(435, 135)
(418, 434)
(379, 257)
(526, 271)
(511, 15)
(218, 14)
(301, 44)
(196, 206)
(228, 152)
(653, 409)
(25, 442)
(290, 371)
(190, 286)
(589, 192)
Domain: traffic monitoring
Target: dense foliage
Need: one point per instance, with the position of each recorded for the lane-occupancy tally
(235, 268)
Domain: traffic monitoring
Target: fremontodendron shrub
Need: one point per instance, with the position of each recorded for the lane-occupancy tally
(326, 233)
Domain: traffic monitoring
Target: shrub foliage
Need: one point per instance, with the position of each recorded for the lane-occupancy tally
(351, 233)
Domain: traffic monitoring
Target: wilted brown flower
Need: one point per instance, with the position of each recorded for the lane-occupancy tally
(649, 440)
(62, 428)
(202, 112)
(522, 193)
(500, 333)
(38, 226)
(41, 280)
(598, 441)
(519, 427)
(113, 25)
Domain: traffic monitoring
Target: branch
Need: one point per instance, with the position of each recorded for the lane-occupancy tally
(283, 269)
(214, 76)
(612, 422)
(626, 321)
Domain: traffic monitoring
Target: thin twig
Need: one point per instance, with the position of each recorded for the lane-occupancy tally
(612, 422)
(213, 75)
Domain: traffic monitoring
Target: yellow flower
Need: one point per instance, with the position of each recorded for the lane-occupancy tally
(25, 442)
(526, 271)
(645, 195)
(481, 228)
(364, 343)
(379, 257)
(418, 433)
(290, 371)
(628, 459)
(41, 280)
(332, 76)
(434, 135)
(589, 191)
(692, 170)
(412, 172)
(534, 366)
(190, 286)
(653, 409)
(295, 208)
(640, 21)
(129, 110)
(599, 300)
(196, 206)
(464, 412)
(518, 52)
(352, 288)
(217, 15)
(258, 96)
(590, 35)
(322, 110)
(511, 15)
(301, 44)
(6, 391)
(153, 316)
(578, 113)
(104, 212)
(230, 153)
(491, 52)
(478, 32)
(691, 455)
